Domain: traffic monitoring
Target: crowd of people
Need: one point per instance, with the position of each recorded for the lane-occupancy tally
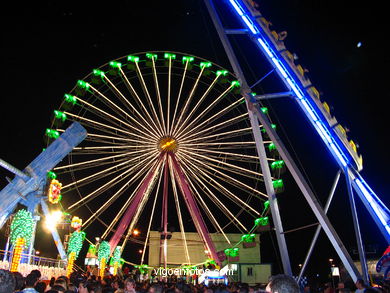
(11, 282)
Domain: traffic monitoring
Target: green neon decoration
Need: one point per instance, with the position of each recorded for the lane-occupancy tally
(169, 56)
(51, 133)
(205, 64)
(188, 59)
(98, 73)
(222, 72)
(59, 115)
(134, 59)
(151, 56)
(115, 64)
(70, 99)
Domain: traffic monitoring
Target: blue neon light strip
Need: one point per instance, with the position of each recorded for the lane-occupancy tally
(315, 116)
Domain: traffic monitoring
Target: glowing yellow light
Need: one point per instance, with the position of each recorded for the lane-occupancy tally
(168, 144)
(136, 232)
(52, 220)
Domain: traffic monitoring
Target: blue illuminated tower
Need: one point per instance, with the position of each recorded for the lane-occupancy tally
(269, 45)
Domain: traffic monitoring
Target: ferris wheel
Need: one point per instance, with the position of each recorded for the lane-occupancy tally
(169, 142)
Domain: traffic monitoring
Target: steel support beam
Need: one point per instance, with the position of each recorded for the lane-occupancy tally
(356, 226)
(318, 230)
(270, 192)
(310, 198)
(194, 209)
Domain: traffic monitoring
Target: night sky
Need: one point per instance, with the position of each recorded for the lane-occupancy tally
(48, 45)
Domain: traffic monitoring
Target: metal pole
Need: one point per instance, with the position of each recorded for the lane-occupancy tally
(356, 226)
(14, 170)
(317, 233)
(310, 198)
(258, 138)
(271, 193)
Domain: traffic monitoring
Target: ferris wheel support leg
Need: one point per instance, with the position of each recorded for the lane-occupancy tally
(194, 210)
(271, 192)
(356, 226)
(318, 230)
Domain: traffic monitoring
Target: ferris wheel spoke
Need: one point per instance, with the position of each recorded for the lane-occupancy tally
(214, 117)
(205, 111)
(145, 198)
(106, 204)
(188, 100)
(177, 204)
(224, 190)
(210, 194)
(222, 145)
(125, 161)
(230, 179)
(147, 94)
(144, 164)
(218, 127)
(110, 227)
(107, 116)
(101, 126)
(157, 87)
(219, 162)
(93, 161)
(179, 94)
(200, 100)
(133, 92)
(151, 218)
(201, 181)
(169, 94)
(229, 156)
(220, 136)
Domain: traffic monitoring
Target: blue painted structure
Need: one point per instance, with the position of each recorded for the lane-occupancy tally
(28, 186)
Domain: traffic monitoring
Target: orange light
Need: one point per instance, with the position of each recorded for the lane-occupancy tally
(135, 232)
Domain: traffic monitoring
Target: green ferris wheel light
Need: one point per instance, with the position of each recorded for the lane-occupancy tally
(188, 59)
(277, 164)
(169, 56)
(205, 64)
(134, 59)
(59, 115)
(99, 73)
(52, 133)
(70, 99)
(115, 64)
(151, 56)
(222, 72)
(83, 85)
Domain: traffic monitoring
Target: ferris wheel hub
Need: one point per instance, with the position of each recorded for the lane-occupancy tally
(167, 144)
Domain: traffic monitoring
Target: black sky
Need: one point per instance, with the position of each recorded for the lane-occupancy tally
(48, 45)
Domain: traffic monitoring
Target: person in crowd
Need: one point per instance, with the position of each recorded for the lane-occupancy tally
(282, 284)
(7, 281)
(31, 281)
(40, 287)
(129, 286)
(360, 285)
(19, 281)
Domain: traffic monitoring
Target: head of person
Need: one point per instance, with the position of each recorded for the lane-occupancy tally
(282, 284)
(40, 287)
(360, 284)
(129, 284)
(7, 281)
(37, 273)
(19, 281)
(31, 280)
